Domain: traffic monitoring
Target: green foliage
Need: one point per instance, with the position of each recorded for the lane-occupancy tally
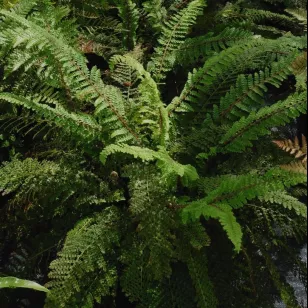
(137, 151)
(12, 282)
(167, 165)
(130, 17)
(88, 250)
(173, 34)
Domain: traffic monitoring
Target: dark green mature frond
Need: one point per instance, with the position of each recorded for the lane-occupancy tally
(172, 37)
(38, 184)
(248, 94)
(198, 270)
(156, 14)
(234, 14)
(83, 84)
(129, 14)
(221, 71)
(85, 270)
(148, 207)
(195, 48)
(80, 125)
(258, 124)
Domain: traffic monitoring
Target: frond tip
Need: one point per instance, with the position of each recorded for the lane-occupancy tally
(167, 165)
(294, 147)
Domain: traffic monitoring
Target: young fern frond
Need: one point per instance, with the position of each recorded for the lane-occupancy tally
(172, 37)
(198, 270)
(258, 124)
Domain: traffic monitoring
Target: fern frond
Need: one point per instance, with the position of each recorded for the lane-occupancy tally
(287, 201)
(248, 93)
(300, 15)
(148, 109)
(155, 223)
(84, 272)
(85, 85)
(234, 193)
(294, 147)
(50, 186)
(255, 16)
(258, 124)
(156, 14)
(298, 167)
(129, 14)
(194, 48)
(172, 37)
(300, 70)
(198, 270)
(167, 165)
(209, 82)
(222, 212)
(81, 125)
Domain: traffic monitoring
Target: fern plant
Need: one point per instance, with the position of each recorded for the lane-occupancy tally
(122, 189)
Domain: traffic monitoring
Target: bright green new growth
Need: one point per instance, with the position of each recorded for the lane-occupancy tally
(12, 282)
(164, 192)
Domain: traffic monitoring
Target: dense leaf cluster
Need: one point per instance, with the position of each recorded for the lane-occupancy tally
(152, 175)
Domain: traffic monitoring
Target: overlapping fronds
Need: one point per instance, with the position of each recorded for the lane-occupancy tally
(83, 84)
(81, 125)
(235, 192)
(172, 37)
(299, 67)
(35, 184)
(300, 14)
(214, 77)
(287, 201)
(143, 97)
(170, 185)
